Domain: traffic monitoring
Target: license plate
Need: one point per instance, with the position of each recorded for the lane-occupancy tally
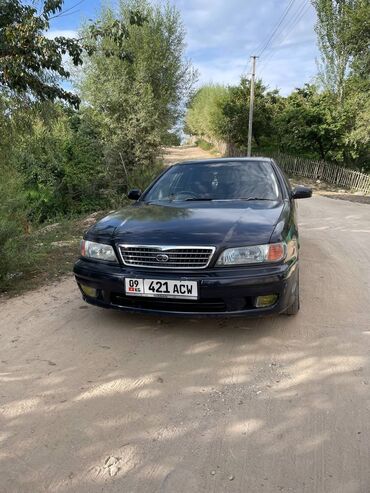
(160, 288)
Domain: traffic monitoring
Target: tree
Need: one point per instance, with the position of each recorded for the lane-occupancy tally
(138, 102)
(313, 124)
(234, 125)
(60, 159)
(31, 63)
(343, 30)
(204, 115)
(221, 113)
(158, 49)
(357, 38)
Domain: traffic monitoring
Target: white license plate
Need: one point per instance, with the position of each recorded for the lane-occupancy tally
(161, 288)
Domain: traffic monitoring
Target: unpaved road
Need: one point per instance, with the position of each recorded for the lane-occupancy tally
(174, 154)
(95, 400)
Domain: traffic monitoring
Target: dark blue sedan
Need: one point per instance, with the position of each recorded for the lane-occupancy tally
(213, 237)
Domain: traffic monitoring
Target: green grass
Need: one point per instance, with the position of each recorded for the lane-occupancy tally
(48, 253)
(203, 144)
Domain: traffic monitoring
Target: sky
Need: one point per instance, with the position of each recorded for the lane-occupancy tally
(223, 34)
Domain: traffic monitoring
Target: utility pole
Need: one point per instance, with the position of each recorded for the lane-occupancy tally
(251, 105)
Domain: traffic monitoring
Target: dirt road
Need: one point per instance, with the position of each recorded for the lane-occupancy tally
(174, 154)
(95, 400)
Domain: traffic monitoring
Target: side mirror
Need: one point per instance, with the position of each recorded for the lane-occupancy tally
(301, 193)
(134, 194)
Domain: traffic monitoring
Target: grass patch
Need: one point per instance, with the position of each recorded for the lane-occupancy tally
(203, 144)
(47, 253)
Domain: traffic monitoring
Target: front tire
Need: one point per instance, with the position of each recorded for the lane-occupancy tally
(293, 309)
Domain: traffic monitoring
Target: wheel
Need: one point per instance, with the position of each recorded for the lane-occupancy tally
(293, 309)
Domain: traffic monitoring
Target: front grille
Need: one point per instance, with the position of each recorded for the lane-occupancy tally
(166, 257)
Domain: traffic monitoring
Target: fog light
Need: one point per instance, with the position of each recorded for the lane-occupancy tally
(88, 291)
(267, 300)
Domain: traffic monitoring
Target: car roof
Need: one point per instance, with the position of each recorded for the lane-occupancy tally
(225, 160)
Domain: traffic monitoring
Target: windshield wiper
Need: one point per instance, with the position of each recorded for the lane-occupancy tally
(228, 200)
(256, 198)
(193, 199)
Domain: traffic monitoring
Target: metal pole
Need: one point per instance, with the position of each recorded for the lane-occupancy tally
(251, 105)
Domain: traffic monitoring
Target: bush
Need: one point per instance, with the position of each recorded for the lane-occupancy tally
(203, 144)
(13, 225)
(61, 161)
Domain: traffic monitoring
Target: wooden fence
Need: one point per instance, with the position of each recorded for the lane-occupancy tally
(316, 170)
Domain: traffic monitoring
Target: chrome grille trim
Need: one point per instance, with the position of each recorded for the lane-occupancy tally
(180, 257)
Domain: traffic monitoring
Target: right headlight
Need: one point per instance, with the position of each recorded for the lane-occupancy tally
(273, 252)
(97, 251)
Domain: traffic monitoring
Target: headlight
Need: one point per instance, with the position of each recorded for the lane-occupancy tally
(98, 251)
(273, 252)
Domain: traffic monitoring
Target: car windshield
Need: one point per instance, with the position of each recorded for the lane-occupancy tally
(227, 180)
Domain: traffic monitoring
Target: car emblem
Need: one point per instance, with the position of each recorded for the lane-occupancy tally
(162, 257)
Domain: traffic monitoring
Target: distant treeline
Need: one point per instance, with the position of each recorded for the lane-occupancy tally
(327, 120)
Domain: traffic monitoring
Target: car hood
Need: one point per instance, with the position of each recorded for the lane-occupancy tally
(209, 223)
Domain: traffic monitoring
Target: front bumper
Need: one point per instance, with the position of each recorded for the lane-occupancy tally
(223, 292)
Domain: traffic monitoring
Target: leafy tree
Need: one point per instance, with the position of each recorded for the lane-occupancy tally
(357, 38)
(218, 112)
(60, 159)
(204, 117)
(158, 48)
(138, 102)
(234, 125)
(307, 124)
(13, 223)
(31, 63)
(343, 30)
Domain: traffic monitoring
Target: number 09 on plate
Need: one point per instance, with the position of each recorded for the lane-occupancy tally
(160, 288)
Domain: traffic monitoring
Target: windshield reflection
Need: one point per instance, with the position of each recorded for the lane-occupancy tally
(215, 181)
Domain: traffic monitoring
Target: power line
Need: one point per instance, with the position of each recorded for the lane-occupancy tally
(262, 46)
(64, 13)
(289, 28)
(270, 38)
(302, 11)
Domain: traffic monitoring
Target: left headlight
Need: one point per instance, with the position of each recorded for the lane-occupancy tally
(98, 251)
(274, 252)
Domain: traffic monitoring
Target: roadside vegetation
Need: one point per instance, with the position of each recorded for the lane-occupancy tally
(75, 136)
(66, 153)
(327, 120)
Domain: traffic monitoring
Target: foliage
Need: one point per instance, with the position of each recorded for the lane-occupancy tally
(204, 116)
(203, 144)
(221, 113)
(60, 160)
(57, 161)
(310, 124)
(13, 223)
(234, 125)
(158, 48)
(138, 102)
(171, 139)
(343, 30)
(31, 63)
